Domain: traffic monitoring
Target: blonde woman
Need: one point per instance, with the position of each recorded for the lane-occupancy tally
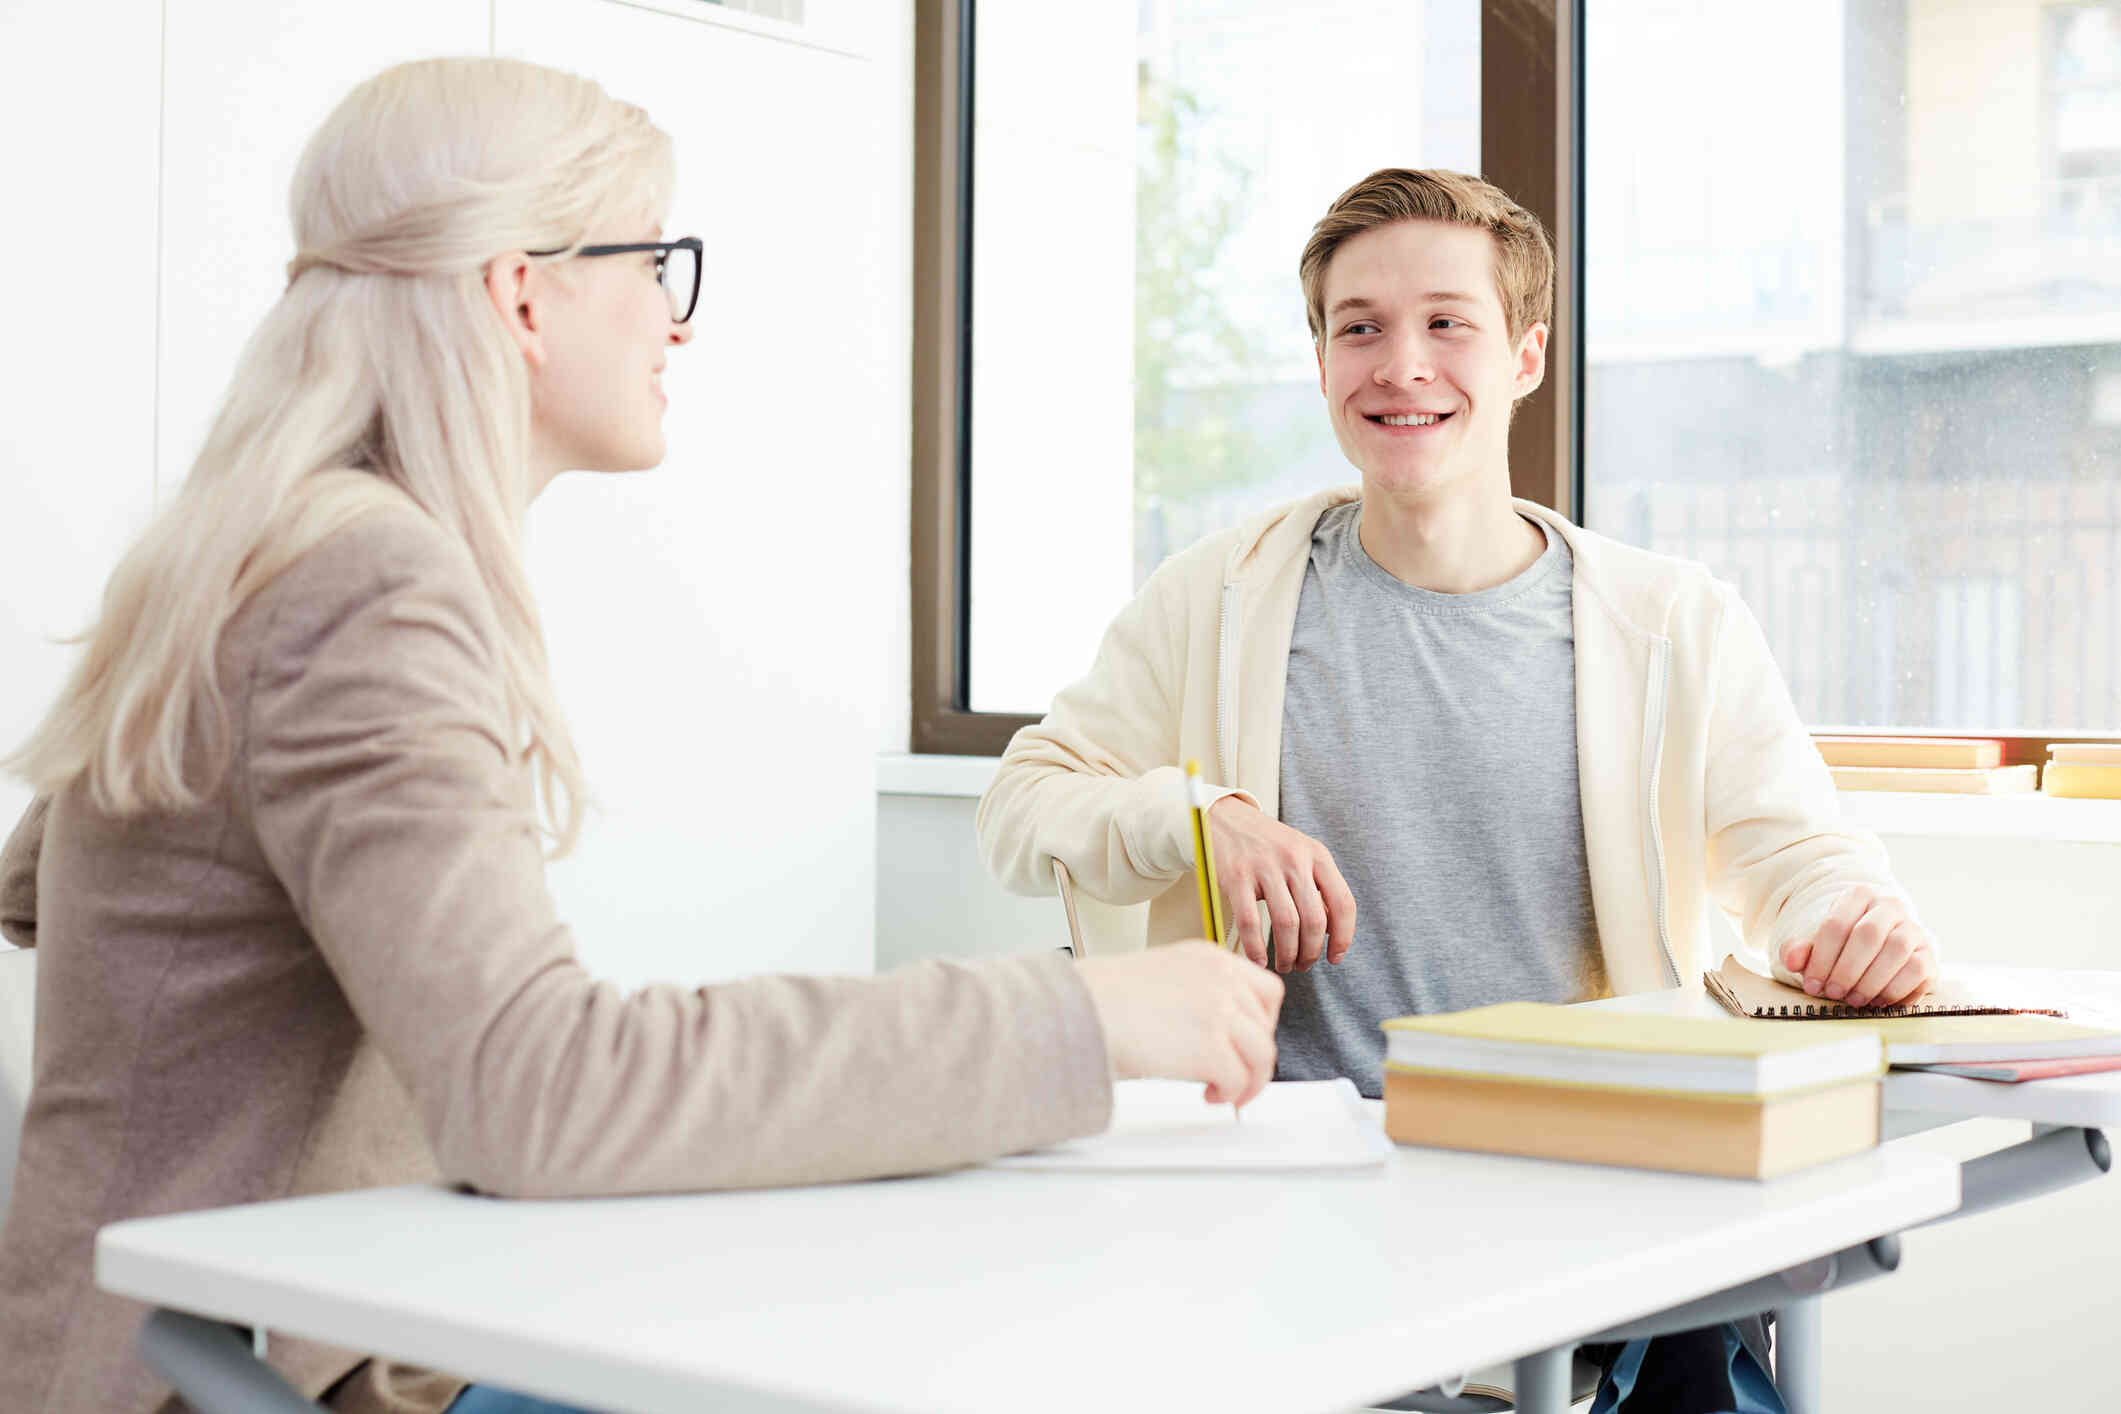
(290, 908)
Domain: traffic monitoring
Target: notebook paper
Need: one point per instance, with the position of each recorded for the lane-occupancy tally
(1164, 1125)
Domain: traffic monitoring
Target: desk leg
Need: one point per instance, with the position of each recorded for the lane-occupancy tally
(1543, 1382)
(1799, 1335)
(211, 1365)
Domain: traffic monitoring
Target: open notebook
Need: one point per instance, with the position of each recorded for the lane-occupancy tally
(1164, 1125)
(1992, 1014)
(1745, 992)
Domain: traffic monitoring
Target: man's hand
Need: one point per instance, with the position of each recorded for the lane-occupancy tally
(1190, 1011)
(1308, 902)
(1870, 951)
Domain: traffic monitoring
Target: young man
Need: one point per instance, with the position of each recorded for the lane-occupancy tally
(1526, 757)
(1532, 755)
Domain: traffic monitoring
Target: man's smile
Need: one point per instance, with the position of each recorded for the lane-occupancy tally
(1406, 419)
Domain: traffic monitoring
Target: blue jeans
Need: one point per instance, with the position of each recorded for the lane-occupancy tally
(485, 1399)
(1688, 1372)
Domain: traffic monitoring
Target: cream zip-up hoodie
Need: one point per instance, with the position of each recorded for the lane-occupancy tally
(1699, 782)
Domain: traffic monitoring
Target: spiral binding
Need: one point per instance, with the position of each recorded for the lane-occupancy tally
(1839, 1009)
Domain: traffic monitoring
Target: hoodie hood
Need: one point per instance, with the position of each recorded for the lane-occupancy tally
(1274, 535)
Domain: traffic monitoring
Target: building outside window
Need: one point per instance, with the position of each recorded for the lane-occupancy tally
(1854, 340)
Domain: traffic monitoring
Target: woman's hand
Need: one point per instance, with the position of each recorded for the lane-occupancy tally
(1188, 1011)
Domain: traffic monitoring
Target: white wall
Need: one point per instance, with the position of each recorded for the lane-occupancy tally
(245, 82)
(77, 372)
(719, 627)
(2011, 1310)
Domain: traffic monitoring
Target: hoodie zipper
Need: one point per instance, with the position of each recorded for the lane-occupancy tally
(1226, 687)
(1653, 839)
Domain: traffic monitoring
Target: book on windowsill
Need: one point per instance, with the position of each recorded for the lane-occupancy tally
(1952, 1021)
(1943, 780)
(2085, 753)
(2081, 780)
(1935, 751)
(1739, 1099)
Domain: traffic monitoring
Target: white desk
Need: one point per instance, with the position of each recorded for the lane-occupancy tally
(2067, 1115)
(985, 1289)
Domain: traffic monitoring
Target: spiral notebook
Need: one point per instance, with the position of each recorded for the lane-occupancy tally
(1745, 992)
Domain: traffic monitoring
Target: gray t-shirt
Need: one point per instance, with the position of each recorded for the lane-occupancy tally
(1429, 741)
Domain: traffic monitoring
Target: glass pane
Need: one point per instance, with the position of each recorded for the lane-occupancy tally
(1854, 333)
(681, 278)
(1146, 173)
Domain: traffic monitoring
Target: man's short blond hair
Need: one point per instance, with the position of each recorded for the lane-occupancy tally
(1524, 256)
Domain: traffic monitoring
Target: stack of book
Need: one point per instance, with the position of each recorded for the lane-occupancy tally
(1955, 765)
(1741, 1099)
(2083, 769)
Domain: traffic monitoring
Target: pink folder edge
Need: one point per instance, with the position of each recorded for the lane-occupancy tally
(2022, 1070)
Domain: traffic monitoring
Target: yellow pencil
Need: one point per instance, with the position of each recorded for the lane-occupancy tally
(1211, 898)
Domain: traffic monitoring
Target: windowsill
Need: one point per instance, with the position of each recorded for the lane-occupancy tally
(901, 773)
(2029, 816)
(1906, 814)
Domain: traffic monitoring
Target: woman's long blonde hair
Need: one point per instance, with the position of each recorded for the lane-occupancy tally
(384, 372)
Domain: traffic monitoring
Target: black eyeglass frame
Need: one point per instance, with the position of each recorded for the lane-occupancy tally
(662, 251)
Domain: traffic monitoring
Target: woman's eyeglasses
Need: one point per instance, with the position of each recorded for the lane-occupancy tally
(677, 266)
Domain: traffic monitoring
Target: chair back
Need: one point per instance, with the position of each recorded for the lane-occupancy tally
(1096, 928)
(18, 997)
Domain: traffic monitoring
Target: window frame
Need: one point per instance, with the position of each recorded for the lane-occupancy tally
(1531, 145)
(1525, 148)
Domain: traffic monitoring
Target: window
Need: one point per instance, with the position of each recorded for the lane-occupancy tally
(1112, 358)
(1853, 338)
(2083, 101)
(1851, 333)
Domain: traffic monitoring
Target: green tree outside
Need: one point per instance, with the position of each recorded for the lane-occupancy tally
(1190, 358)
